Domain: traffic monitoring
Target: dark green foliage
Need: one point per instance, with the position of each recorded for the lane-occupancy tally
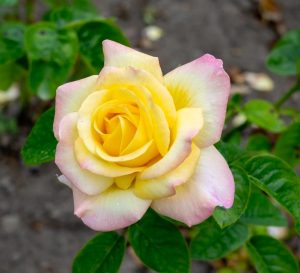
(226, 217)
(41, 143)
(159, 244)
(211, 242)
(284, 59)
(278, 180)
(270, 256)
(261, 211)
(52, 53)
(259, 142)
(90, 37)
(11, 41)
(102, 254)
(288, 145)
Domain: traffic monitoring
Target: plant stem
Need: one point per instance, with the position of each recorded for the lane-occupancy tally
(287, 95)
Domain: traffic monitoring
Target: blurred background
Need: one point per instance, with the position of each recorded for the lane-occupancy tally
(38, 231)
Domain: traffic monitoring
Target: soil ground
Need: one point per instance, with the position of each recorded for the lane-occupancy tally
(38, 231)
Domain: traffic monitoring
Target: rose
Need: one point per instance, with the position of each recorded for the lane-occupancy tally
(130, 138)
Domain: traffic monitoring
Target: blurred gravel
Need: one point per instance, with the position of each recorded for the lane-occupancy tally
(38, 231)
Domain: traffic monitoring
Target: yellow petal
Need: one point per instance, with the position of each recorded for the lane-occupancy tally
(112, 143)
(85, 121)
(124, 182)
(188, 124)
(97, 165)
(164, 186)
(123, 158)
(111, 77)
(161, 131)
(142, 160)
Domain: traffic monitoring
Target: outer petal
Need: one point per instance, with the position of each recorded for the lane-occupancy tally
(212, 185)
(113, 209)
(164, 186)
(119, 55)
(69, 98)
(65, 160)
(189, 122)
(202, 83)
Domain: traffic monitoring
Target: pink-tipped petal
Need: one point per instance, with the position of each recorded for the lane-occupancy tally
(84, 180)
(202, 83)
(113, 209)
(118, 55)
(212, 185)
(70, 96)
(62, 179)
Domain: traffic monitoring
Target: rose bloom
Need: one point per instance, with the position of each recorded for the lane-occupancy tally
(131, 138)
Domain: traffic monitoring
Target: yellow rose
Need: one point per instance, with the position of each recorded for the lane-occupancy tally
(132, 138)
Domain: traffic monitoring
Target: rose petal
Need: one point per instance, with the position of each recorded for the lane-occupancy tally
(113, 209)
(161, 131)
(202, 83)
(85, 120)
(118, 55)
(132, 79)
(212, 185)
(164, 186)
(84, 180)
(69, 97)
(188, 124)
(99, 166)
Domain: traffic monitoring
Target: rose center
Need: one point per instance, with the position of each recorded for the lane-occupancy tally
(115, 125)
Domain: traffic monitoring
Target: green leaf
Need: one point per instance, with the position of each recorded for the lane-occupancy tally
(102, 254)
(285, 55)
(52, 53)
(288, 145)
(233, 105)
(8, 3)
(259, 142)
(264, 115)
(277, 179)
(10, 72)
(11, 41)
(226, 217)
(270, 256)
(290, 112)
(90, 37)
(71, 15)
(41, 144)
(260, 211)
(159, 244)
(231, 152)
(211, 242)
(86, 5)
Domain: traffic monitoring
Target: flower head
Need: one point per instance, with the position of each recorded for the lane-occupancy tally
(132, 138)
